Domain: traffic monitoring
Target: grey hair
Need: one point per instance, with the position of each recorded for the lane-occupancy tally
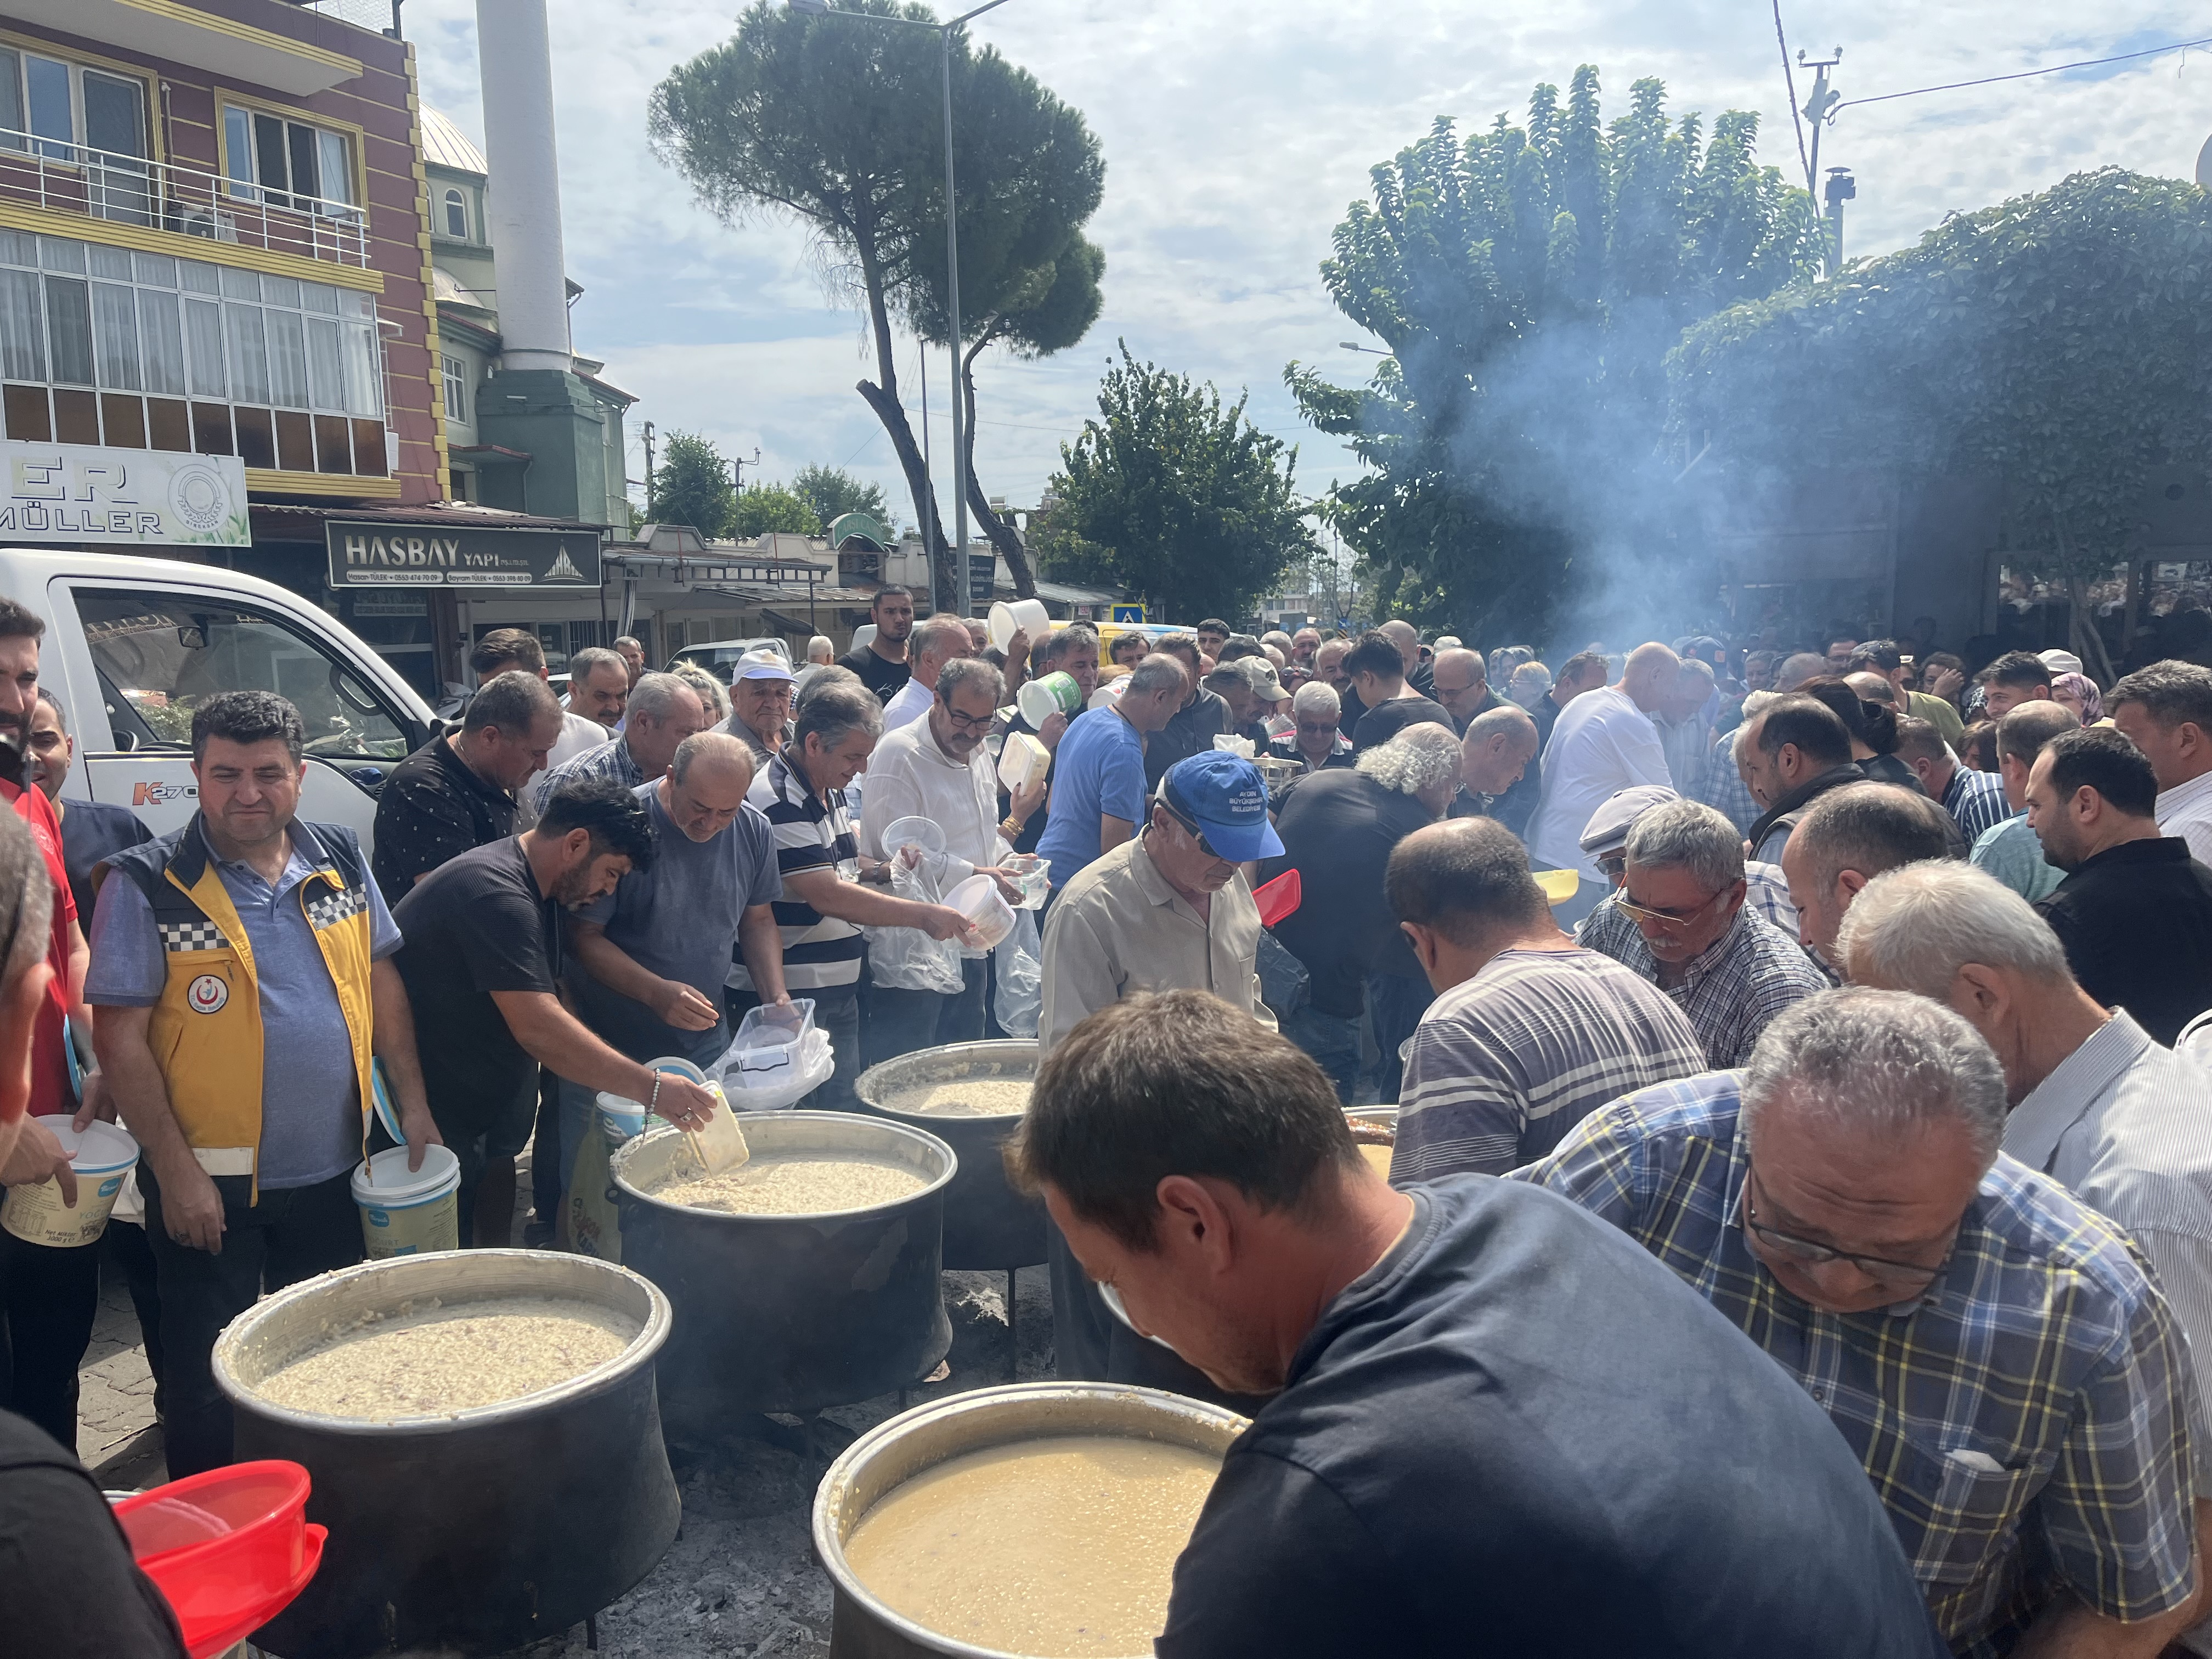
(1755, 703)
(1316, 697)
(709, 746)
(1419, 758)
(1887, 1064)
(27, 898)
(1913, 928)
(653, 696)
(821, 642)
(940, 633)
(963, 671)
(1688, 835)
(1157, 672)
(713, 694)
(833, 711)
(591, 659)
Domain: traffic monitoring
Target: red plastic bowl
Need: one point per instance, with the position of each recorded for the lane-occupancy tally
(228, 1548)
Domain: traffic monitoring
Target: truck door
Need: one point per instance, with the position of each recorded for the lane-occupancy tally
(156, 654)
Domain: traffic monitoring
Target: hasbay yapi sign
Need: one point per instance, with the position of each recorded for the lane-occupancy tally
(365, 554)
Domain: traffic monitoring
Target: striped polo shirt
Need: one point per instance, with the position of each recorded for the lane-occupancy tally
(812, 833)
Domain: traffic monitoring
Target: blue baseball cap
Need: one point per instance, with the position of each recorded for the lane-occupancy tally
(1224, 795)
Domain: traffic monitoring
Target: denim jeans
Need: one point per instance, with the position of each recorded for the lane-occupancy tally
(292, 1234)
(1395, 1004)
(901, 1022)
(1333, 1040)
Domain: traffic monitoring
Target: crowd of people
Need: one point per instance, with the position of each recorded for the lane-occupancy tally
(1866, 995)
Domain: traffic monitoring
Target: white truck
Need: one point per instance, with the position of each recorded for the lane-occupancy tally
(134, 644)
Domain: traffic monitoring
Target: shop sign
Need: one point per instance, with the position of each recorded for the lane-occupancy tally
(366, 554)
(97, 496)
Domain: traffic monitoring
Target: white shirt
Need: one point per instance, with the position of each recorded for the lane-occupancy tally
(579, 735)
(907, 704)
(909, 776)
(2185, 810)
(1602, 743)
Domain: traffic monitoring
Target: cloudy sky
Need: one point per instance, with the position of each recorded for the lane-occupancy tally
(1235, 132)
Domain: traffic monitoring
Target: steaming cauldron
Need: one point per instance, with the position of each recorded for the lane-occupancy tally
(791, 1312)
(987, 1224)
(479, 1531)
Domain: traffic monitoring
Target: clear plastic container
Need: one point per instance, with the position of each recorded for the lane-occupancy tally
(990, 917)
(766, 1045)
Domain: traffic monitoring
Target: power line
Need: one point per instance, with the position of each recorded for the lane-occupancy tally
(2023, 75)
(1790, 83)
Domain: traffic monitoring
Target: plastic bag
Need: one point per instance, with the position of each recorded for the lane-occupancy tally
(1020, 996)
(906, 958)
(594, 1218)
(750, 1087)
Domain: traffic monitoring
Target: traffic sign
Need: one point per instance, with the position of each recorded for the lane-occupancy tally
(1128, 613)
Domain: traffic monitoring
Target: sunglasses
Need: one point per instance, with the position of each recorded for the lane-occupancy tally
(1189, 827)
(1673, 921)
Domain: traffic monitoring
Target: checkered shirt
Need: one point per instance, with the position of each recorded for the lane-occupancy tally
(1722, 788)
(1505, 1065)
(2025, 1420)
(1729, 990)
(606, 760)
(1975, 801)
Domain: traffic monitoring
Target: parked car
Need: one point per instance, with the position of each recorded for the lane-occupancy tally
(719, 657)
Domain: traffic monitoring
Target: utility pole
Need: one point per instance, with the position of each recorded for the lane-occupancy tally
(1818, 107)
(737, 465)
(648, 472)
(1841, 188)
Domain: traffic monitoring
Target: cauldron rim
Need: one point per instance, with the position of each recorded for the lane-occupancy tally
(618, 1172)
(643, 1348)
(863, 1087)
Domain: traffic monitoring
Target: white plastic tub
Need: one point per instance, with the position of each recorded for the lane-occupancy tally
(1029, 614)
(1056, 693)
(991, 917)
(102, 1157)
(407, 1212)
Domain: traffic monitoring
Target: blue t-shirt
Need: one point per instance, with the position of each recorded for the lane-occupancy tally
(310, 1097)
(1521, 1433)
(1098, 770)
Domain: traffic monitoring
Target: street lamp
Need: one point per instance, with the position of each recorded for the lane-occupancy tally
(944, 30)
(1354, 345)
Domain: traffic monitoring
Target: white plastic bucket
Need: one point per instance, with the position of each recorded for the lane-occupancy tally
(990, 917)
(1022, 759)
(407, 1212)
(623, 1119)
(102, 1157)
(1023, 614)
(1057, 693)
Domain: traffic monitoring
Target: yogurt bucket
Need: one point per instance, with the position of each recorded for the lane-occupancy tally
(991, 918)
(1022, 614)
(407, 1212)
(1057, 693)
(102, 1157)
(623, 1119)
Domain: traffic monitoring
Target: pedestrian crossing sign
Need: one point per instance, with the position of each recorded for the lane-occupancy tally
(1128, 613)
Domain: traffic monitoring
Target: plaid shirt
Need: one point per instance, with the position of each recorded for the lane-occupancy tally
(1975, 801)
(1730, 989)
(1722, 786)
(608, 760)
(2025, 1420)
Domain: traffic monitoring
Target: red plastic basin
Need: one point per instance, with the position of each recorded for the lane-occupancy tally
(228, 1548)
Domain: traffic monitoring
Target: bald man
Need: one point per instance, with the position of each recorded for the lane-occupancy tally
(1458, 680)
(1420, 674)
(1605, 741)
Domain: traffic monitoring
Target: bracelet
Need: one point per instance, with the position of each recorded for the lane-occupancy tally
(655, 1099)
(1010, 830)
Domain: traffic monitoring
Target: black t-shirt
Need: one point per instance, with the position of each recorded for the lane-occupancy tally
(1190, 731)
(1339, 827)
(885, 679)
(2137, 923)
(433, 809)
(69, 1589)
(1393, 715)
(475, 925)
(1519, 1433)
(93, 830)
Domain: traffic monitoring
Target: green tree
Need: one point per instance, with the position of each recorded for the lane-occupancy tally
(761, 509)
(1175, 498)
(832, 492)
(2062, 342)
(1529, 282)
(691, 486)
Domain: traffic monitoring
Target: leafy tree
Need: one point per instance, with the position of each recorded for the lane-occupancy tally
(2062, 342)
(837, 123)
(691, 486)
(1175, 498)
(1529, 282)
(761, 509)
(832, 492)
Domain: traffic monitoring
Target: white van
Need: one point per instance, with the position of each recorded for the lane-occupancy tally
(134, 644)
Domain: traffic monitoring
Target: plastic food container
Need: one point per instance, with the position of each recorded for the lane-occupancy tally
(230, 1548)
(407, 1212)
(1027, 615)
(990, 917)
(926, 833)
(102, 1156)
(1032, 874)
(1022, 760)
(1055, 694)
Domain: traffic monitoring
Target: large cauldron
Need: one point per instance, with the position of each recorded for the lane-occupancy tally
(790, 1313)
(479, 1531)
(987, 1224)
(895, 1452)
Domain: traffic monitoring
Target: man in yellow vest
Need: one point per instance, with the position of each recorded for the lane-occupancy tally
(240, 966)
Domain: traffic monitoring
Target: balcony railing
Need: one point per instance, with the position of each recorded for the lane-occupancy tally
(173, 195)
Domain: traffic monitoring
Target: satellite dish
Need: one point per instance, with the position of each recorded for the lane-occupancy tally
(2204, 165)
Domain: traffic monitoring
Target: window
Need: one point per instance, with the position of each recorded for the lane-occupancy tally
(456, 390)
(457, 216)
(59, 111)
(161, 655)
(287, 164)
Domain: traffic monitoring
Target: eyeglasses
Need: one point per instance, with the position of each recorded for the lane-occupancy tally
(1673, 921)
(1904, 1275)
(1613, 867)
(970, 722)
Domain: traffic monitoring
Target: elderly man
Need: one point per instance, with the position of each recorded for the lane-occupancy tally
(1460, 683)
(1338, 828)
(2012, 1382)
(1500, 748)
(1387, 703)
(458, 791)
(1314, 741)
(829, 895)
(2010, 851)
(1975, 800)
(1413, 658)
(2165, 711)
(599, 684)
(663, 712)
(1170, 910)
(935, 642)
(1463, 1383)
(882, 663)
(1528, 1033)
(1098, 770)
(2014, 678)
(1244, 684)
(2135, 911)
(1602, 741)
(1680, 921)
(936, 768)
(1192, 728)
(1684, 733)
(1794, 750)
(632, 656)
(1303, 644)
(761, 690)
(1847, 838)
(1605, 838)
